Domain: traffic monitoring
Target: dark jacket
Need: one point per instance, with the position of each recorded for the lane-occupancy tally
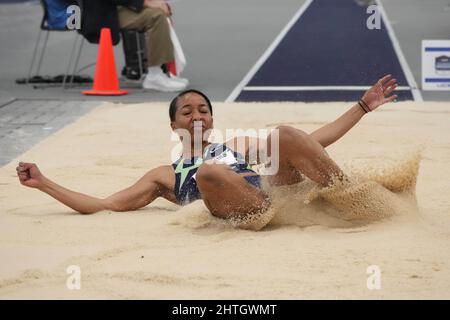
(98, 14)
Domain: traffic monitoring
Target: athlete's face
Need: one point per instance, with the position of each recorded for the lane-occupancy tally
(193, 115)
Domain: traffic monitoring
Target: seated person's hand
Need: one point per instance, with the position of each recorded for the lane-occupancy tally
(159, 4)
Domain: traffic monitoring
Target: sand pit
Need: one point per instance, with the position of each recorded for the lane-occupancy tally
(318, 243)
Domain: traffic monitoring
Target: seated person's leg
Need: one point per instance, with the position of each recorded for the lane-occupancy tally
(159, 48)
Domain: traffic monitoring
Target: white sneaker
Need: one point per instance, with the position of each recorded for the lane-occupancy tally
(180, 80)
(159, 81)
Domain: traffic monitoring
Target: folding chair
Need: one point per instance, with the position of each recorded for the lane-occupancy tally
(45, 27)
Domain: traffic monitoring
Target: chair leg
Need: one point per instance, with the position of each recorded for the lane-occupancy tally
(34, 56)
(139, 51)
(75, 71)
(70, 62)
(42, 53)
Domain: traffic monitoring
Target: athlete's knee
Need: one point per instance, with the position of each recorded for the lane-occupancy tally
(288, 136)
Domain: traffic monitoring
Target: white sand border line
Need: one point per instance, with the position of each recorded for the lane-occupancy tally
(314, 88)
(234, 94)
(401, 57)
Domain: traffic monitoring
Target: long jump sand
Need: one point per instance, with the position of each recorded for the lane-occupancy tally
(312, 248)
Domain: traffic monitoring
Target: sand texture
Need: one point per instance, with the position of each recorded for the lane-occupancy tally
(394, 213)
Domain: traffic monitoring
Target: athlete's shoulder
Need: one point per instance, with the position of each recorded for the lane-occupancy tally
(163, 175)
(164, 170)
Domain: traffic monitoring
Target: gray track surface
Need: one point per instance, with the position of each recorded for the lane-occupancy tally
(222, 40)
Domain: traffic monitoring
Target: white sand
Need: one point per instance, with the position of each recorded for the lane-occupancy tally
(161, 251)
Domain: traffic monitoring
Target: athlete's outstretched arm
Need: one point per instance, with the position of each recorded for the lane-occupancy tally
(377, 95)
(137, 196)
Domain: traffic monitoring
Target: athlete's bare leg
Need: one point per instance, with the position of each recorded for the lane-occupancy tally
(301, 154)
(226, 193)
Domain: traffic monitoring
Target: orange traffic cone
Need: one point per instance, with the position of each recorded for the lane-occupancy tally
(105, 80)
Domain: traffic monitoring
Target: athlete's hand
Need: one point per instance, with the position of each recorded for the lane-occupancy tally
(380, 93)
(29, 175)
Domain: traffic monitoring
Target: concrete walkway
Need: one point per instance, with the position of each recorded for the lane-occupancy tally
(24, 123)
